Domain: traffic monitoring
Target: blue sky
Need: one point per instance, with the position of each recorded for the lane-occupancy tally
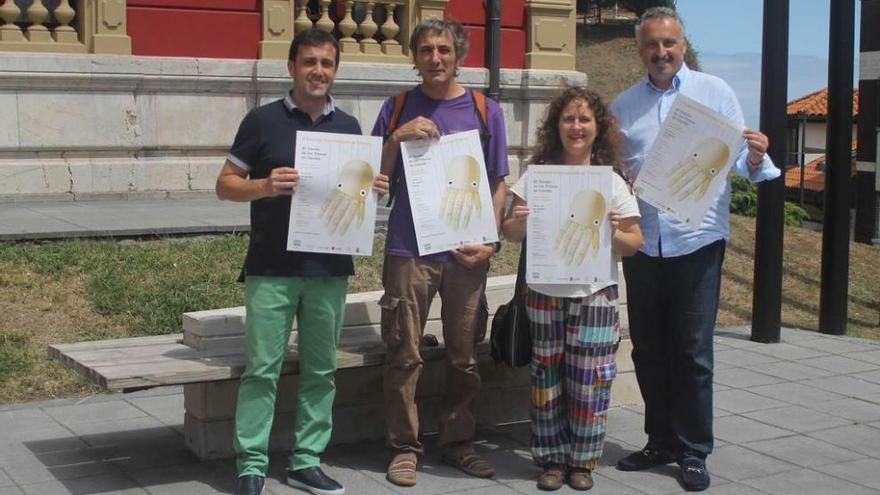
(729, 42)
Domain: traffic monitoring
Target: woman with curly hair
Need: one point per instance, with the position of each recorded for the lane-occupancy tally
(575, 328)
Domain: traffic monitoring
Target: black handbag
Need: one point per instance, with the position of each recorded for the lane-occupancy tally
(511, 340)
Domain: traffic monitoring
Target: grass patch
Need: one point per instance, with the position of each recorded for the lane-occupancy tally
(78, 290)
(13, 356)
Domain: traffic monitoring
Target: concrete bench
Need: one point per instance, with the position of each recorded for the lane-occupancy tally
(207, 359)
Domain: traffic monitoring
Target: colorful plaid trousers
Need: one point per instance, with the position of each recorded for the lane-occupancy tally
(573, 346)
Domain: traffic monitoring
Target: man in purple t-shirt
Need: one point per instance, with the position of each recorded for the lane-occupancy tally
(438, 106)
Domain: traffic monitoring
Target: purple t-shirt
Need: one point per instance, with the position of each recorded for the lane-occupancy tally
(450, 116)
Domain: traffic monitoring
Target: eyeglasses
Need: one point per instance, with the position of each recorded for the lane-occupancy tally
(665, 43)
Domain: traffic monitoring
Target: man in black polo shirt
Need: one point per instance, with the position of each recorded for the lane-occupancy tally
(279, 283)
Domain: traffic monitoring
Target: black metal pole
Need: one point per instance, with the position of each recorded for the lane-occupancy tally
(867, 193)
(835, 229)
(493, 47)
(767, 291)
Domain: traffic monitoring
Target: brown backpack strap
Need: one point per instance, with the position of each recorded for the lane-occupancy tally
(399, 101)
(480, 103)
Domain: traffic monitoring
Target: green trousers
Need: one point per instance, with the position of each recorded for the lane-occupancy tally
(319, 306)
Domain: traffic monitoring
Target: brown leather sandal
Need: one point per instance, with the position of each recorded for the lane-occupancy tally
(402, 469)
(468, 462)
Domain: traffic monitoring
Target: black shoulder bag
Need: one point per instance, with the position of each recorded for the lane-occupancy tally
(511, 340)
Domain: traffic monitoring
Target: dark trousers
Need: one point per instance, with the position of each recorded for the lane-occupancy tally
(672, 304)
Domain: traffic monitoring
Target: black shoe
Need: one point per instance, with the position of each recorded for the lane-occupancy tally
(315, 481)
(648, 457)
(250, 484)
(694, 475)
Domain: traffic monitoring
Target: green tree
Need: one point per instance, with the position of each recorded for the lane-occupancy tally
(638, 7)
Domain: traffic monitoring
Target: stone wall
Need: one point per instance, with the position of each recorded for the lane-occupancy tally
(78, 126)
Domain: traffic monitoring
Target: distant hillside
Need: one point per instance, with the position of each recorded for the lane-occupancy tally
(607, 54)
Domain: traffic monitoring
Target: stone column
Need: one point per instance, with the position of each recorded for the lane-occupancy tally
(434, 8)
(550, 34)
(110, 29)
(277, 26)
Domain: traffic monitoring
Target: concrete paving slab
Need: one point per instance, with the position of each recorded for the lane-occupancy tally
(865, 472)
(124, 432)
(788, 351)
(733, 489)
(796, 393)
(736, 339)
(843, 384)
(90, 412)
(835, 345)
(53, 439)
(743, 358)
(603, 485)
(5, 480)
(198, 478)
(740, 430)
(862, 410)
(56, 466)
(738, 463)
(10, 490)
(655, 481)
(743, 378)
(842, 365)
(167, 409)
(623, 420)
(871, 376)
(790, 370)
(799, 336)
(797, 418)
(872, 356)
(112, 483)
(741, 401)
(863, 439)
(803, 451)
(806, 482)
(17, 222)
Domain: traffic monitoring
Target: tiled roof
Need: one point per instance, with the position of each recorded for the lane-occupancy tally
(814, 180)
(815, 104)
(814, 174)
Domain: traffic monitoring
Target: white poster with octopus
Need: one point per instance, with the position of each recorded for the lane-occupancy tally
(449, 192)
(686, 169)
(334, 207)
(569, 235)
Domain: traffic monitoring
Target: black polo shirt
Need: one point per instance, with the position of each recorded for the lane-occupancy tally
(266, 139)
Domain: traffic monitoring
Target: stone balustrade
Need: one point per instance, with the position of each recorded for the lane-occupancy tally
(369, 31)
(86, 26)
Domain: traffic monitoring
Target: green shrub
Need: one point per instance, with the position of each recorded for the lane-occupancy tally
(744, 201)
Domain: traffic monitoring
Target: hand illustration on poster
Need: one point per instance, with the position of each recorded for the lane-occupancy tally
(461, 195)
(334, 207)
(691, 176)
(347, 201)
(685, 171)
(579, 235)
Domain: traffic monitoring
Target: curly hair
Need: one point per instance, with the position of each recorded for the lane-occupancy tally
(608, 142)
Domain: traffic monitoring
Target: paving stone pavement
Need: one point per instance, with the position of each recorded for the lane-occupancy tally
(195, 213)
(798, 417)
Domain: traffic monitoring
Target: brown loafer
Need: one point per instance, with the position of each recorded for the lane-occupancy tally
(580, 479)
(468, 461)
(402, 469)
(552, 478)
